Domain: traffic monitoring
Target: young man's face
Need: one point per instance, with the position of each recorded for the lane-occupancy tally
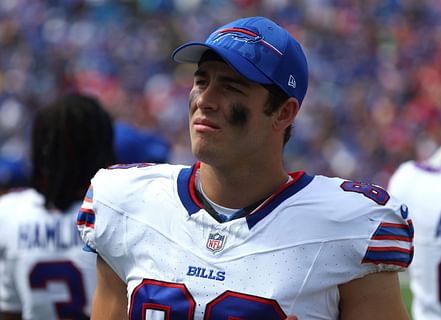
(227, 122)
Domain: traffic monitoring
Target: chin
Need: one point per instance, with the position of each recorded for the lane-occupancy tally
(205, 154)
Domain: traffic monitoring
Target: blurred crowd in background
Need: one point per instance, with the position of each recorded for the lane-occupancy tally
(374, 96)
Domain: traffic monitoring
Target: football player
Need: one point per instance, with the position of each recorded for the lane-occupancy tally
(420, 184)
(236, 236)
(45, 273)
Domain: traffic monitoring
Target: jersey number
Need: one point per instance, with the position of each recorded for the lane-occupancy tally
(154, 299)
(44, 273)
(370, 191)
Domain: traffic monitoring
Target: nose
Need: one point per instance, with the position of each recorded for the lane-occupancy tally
(207, 99)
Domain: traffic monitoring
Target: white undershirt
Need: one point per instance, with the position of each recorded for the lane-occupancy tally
(221, 210)
(228, 212)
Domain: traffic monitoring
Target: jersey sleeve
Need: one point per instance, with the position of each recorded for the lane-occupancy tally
(390, 247)
(364, 229)
(113, 204)
(101, 224)
(385, 225)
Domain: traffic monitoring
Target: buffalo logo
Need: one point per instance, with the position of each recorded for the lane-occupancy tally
(245, 36)
(240, 35)
(216, 242)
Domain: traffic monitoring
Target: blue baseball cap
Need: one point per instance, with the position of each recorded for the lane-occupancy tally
(257, 48)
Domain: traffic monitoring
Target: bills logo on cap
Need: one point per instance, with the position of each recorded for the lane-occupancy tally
(239, 35)
(246, 36)
(216, 242)
(257, 48)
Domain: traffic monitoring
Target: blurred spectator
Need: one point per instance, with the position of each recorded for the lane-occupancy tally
(375, 70)
(13, 174)
(133, 145)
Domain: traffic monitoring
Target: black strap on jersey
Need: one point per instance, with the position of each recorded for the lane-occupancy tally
(222, 218)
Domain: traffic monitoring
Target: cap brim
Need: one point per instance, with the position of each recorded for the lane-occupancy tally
(193, 51)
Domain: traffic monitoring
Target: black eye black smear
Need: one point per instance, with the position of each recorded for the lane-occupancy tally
(239, 115)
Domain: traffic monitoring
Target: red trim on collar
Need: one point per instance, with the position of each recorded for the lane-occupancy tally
(295, 177)
(192, 186)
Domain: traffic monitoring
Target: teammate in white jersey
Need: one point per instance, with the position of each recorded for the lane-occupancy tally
(45, 273)
(235, 236)
(420, 184)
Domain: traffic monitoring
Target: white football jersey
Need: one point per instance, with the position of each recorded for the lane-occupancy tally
(45, 273)
(420, 186)
(287, 256)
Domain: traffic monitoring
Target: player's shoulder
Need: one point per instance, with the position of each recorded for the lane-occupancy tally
(17, 198)
(411, 173)
(136, 172)
(337, 189)
(19, 205)
(408, 168)
(350, 209)
(357, 199)
(121, 181)
(412, 167)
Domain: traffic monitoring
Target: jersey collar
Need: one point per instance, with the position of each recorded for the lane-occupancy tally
(187, 193)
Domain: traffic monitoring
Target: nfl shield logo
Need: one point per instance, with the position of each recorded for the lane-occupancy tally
(215, 242)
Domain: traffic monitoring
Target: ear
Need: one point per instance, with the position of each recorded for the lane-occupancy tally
(286, 114)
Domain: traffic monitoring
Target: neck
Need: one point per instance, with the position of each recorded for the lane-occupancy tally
(240, 187)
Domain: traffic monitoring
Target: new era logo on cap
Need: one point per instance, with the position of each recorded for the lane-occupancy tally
(292, 82)
(257, 48)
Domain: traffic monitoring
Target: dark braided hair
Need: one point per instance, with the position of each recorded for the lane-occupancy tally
(72, 138)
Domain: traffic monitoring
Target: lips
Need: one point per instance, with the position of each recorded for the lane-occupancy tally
(202, 124)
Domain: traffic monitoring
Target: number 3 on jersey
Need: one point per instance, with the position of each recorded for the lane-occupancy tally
(370, 191)
(44, 273)
(154, 299)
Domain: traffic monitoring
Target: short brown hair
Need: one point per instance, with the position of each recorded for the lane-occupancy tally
(276, 98)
